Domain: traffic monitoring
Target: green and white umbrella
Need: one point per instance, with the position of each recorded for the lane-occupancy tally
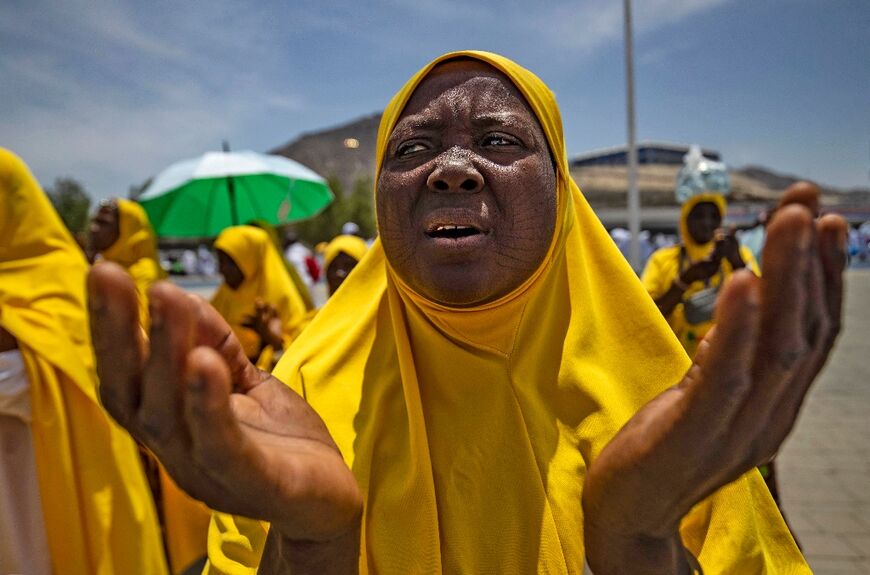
(202, 196)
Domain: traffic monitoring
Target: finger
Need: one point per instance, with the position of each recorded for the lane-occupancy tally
(214, 431)
(172, 323)
(725, 378)
(783, 349)
(787, 254)
(828, 298)
(833, 231)
(214, 332)
(803, 193)
(114, 319)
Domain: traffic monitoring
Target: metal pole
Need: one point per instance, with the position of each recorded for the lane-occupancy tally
(231, 191)
(633, 193)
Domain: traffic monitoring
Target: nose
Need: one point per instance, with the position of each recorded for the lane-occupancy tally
(455, 172)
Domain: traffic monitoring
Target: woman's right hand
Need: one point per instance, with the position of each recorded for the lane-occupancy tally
(229, 434)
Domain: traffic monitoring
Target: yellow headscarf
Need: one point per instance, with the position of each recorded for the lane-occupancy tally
(664, 266)
(136, 251)
(470, 430)
(351, 245)
(266, 278)
(98, 511)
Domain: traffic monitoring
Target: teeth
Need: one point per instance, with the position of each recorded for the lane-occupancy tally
(446, 228)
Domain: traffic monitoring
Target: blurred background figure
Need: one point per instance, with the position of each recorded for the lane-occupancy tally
(340, 257)
(304, 289)
(120, 232)
(73, 495)
(684, 279)
(257, 297)
(301, 258)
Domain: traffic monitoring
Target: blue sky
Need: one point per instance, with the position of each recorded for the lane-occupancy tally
(112, 92)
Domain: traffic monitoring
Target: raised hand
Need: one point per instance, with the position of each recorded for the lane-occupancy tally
(735, 406)
(229, 434)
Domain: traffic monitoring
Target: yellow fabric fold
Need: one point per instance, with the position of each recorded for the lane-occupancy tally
(470, 430)
(266, 278)
(663, 267)
(98, 511)
(136, 251)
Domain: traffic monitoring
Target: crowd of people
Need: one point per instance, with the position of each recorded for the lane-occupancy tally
(489, 388)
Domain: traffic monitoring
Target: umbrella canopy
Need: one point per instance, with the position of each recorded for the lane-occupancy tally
(202, 196)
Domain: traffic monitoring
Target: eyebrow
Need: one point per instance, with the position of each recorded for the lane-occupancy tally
(498, 118)
(418, 123)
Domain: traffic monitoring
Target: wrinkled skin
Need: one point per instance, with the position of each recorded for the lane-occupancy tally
(467, 151)
(244, 443)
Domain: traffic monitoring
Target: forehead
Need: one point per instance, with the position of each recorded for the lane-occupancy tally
(461, 86)
(705, 209)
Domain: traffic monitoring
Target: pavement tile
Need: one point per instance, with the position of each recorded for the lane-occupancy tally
(830, 566)
(860, 543)
(827, 545)
(839, 521)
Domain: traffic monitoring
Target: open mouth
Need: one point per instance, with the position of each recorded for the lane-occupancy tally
(452, 232)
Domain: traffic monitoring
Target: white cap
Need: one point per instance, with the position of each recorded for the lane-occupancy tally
(350, 229)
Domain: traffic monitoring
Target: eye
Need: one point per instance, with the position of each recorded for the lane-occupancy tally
(499, 140)
(409, 148)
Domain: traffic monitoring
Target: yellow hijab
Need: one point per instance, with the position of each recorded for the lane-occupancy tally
(136, 251)
(470, 430)
(266, 278)
(694, 250)
(97, 506)
(351, 245)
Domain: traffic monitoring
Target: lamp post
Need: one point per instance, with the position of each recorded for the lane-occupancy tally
(633, 193)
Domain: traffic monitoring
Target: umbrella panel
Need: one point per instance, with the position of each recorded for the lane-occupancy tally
(201, 208)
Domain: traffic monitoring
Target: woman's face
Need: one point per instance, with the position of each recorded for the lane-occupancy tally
(105, 227)
(703, 221)
(466, 197)
(233, 275)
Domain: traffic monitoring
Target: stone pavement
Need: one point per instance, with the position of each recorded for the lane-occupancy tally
(824, 466)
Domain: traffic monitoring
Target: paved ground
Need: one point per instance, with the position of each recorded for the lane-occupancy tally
(824, 466)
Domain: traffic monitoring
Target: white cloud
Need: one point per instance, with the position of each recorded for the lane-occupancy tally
(583, 27)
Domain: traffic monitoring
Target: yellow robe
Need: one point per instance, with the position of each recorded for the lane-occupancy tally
(663, 268)
(470, 430)
(266, 278)
(99, 515)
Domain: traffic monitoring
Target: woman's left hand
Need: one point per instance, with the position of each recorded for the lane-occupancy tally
(734, 407)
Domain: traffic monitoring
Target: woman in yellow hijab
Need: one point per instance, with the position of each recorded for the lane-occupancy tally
(476, 374)
(97, 511)
(685, 279)
(121, 232)
(257, 298)
(342, 254)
